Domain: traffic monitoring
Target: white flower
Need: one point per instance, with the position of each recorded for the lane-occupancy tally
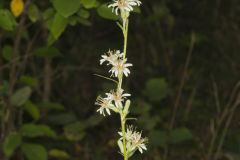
(111, 57)
(120, 67)
(118, 97)
(124, 5)
(134, 140)
(105, 104)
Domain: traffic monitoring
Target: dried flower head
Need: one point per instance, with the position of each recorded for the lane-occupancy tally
(105, 104)
(111, 57)
(120, 67)
(118, 97)
(124, 5)
(134, 140)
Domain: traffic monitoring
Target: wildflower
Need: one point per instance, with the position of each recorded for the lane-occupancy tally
(105, 104)
(118, 97)
(111, 57)
(120, 67)
(134, 140)
(124, 5)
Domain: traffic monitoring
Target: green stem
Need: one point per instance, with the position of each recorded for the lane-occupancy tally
(123, 120)
(120, 80)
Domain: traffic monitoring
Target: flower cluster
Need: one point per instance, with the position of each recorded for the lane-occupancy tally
(124, 5)
(134, 140)
(113, 101)
(118, 62)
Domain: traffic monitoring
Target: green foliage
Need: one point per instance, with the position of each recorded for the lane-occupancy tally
(156, 89)
(60, 154)
(33, 13)
(106, 12)
(7, 21)
(21, 96)
(47, 52)
(11, 142)
(32, 110)
(34, 151)
(7, 52)
(29, 80)
(33, 130)
(66, 9)
(89, 3)
(58, 25)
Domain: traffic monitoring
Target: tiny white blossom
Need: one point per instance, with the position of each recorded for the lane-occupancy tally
(124, 5)
(134, 140)
(104, 104)
(111, 57)
(118, 97)
(120, 67)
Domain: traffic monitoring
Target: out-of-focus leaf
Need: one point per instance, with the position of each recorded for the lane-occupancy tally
(74, 131)
(93, 120)
(51, 106)
(32, 110)
(180, 135)
(58, 25)
(83, 13)
(7, 21)
(156, 89)
(56, 153)
(66, 8)
(33, 13)
(11, 142)
(29, 80)
(34, 151)
(62, 119)
(89, 3)
(47, 52)
(158, 138)
(105, 12)
(32, 130)
(140, 107)
(21, 96)
(7, 52)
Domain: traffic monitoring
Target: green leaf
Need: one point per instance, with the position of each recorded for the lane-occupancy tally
(62, 119)
(66, 8)
(105, 12)
(11, 142)
(33, 13)
(21, 96)
(59, 154)
(51, 106)
(32, 130)
(7, 52)
(83, 13)
(93, 120)
(47, 52)
(7, 21)
(156, 89)
(32, 110)
(29, 80)
(158, 138)
(74, 131)
(120, 145)
(34, 151)
(58, 25)
(180, 135)
(89, 3)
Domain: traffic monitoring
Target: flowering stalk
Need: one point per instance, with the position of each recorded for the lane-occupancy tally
(116, 101)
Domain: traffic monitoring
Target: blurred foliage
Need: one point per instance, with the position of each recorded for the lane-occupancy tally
(186, 63)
